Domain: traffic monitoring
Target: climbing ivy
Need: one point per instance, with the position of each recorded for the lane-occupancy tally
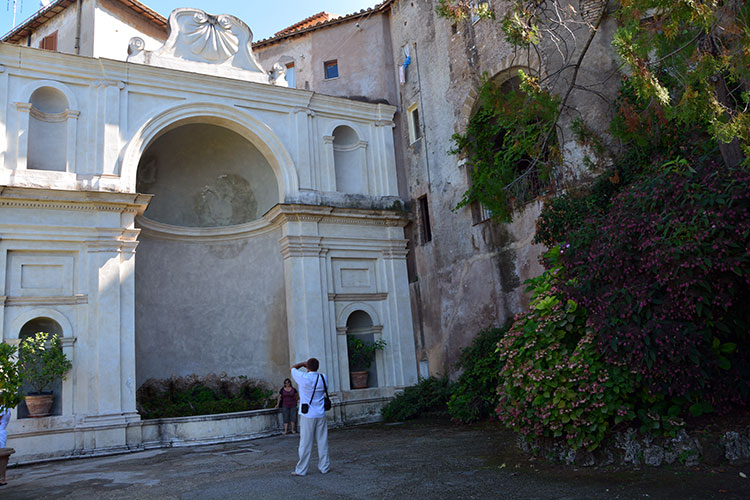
(507, 138)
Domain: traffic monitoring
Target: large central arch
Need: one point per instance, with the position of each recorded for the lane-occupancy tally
(232, 118)
(213, 303)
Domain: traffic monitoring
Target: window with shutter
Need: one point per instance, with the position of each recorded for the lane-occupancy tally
(49, 42)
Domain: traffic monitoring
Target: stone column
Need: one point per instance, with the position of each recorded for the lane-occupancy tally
(401, 358)
(362, 146)
(385, 159)
(103, 342)
(4, 160)
(22, 146)
(328, 172)
(71, 117)
(308, 318)
(302, 119)
(106, 125)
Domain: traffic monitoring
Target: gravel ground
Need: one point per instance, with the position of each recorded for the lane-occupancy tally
(424, 459)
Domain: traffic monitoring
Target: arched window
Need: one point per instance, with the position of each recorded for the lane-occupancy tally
(508, 148)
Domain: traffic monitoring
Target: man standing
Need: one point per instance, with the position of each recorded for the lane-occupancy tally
(312, 422)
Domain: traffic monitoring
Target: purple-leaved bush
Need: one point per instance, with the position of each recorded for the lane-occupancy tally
(665, 278)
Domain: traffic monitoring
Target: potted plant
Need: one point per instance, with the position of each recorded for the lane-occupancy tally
(10, 385)
(361, 356)
(42, 362)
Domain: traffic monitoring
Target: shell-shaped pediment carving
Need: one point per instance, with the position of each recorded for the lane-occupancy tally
(210, 36)
(204, 43)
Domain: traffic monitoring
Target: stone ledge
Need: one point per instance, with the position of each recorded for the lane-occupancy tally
(627, 448)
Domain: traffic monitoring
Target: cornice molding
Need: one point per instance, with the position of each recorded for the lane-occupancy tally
(281, 214)
(301, 246)
(182, 233)
(357, 297)
(69, 300)
(89, 207)
(88, 201)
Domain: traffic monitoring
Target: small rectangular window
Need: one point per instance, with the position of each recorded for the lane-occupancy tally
(49, 42)
(290, 75)
(424, 220)
(415, 126)
(331, 69)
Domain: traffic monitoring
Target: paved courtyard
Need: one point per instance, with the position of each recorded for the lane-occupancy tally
(416, 460)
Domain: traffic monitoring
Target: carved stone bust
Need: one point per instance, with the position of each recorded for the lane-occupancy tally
(203, 43)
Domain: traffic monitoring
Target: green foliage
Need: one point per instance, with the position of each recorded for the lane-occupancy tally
(520, 25)
(362, 354)
(508, 130)
(650, 138)
(458, 10)
(429, 395)
(10, 380)
(691, 58)
(474, 395)
(675, 312)
(555, 383)
(183, 397)
(42, 361)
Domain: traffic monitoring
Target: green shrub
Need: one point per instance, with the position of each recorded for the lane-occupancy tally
(10, 380)
(42, 361)
(555, 383)
(212, 394)
(361, 353)
(474, 395)
(430, 394)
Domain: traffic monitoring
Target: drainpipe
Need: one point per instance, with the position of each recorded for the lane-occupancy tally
(79, 5)
(422, 119)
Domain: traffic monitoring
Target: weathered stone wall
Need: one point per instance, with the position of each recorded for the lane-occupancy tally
(470, 275)
(360, 46)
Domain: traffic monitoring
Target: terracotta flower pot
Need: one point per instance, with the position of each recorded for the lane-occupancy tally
(359, 379)
(39, 405)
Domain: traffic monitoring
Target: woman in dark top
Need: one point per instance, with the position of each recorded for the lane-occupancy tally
(287, 401)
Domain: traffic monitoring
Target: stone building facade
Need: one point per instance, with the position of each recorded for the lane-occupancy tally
(165, 229)
(466, 271)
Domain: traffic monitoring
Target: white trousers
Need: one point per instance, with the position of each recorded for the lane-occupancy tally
(310, 428)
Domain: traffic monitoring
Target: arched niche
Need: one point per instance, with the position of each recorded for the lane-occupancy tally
(47, 122)
(50, 320)
(210, 278)
(205, 175)
(29, 329)
(349, 161)
(360, 324)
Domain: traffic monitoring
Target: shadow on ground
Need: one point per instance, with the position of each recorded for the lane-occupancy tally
(423, 459)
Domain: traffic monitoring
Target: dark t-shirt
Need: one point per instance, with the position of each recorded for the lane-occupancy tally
(289, 399)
